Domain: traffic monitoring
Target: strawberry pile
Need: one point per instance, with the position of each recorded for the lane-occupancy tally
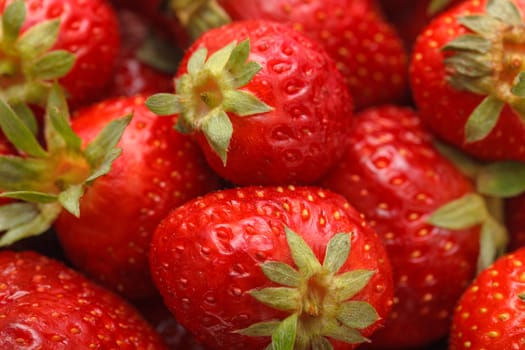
(277, 174)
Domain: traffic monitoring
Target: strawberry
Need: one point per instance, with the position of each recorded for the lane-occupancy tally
(469, 57)
(241, 268)
(367, 49)
(74, 40)
(157, 170)
(395, 176)
(491, 312)
(266, 103)
(46, 305)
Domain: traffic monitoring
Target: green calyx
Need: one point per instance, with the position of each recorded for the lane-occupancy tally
(199, 16)
(317, 298)
(51, 178)
(435, 6)
(28, 66)
(210, 90)
(489, 61)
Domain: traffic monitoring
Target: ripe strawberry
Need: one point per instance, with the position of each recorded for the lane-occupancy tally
(83, 36)
(467, 57)
(367, 49)
(491, 312)
(279, 117)
(45, 305)
(220, 263)
(393, 175)
(158, 170)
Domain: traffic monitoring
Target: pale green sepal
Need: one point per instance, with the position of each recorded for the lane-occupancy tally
(239, 55)
(461, 213)
(352, 282)
(280, 298)
(466, 164)
(243, 75)
(12, 21)
(53, 65)
(217, 61)
(163, 104)
(357, 314)
(302, 254)
(15, 214)
(492, 244)
(70, 199)
(218, 130)
(321, 343)
(283, 338)
(483, 119)
(27, 116)
(518, 89)
(105, 166)
(243, 103)
(62, 134)
(502, 179)
(47, 214)
(97, 150)
(30, 196)
(281, 273)
(506, 11)
(469, 42)
(17, 173)
(261, 329)
(481, 24)
(38, 39)
(337, 252)
(468, 65)
(197, 60)
(18, 133)
(345, 334)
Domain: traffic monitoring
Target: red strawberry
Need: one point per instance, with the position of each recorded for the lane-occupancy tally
(221, 262)
(266, 103)
(393, 175)
(158, 170)
(86, 29)
(467, 81)
(45, 305)
(368, 51)
(491, 312)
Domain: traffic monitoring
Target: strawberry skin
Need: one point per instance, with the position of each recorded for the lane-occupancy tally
(368, 51)
(89, 30)
(301, 133)
(491, 312)
(396, 178)
(206, 259)
(157, 170)
(448, 114)
(46, 305)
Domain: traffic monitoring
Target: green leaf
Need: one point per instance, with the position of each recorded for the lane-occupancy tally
(197, 61)
(70, 199)
(65, 136)
(502, 179)
(243, 103)
(261, 329)
(27, 116)
(469, 42)
(483, 119)
(18, 173)
(30, 196)
(321, 343)
(466, 164)
(518, 89)
(493, 243)
(281, 273)
(284, 336)
(105, 166)
(337, 252)
(53, 65)
(217, 61)
(38, 39)
(241, 76)
(12, 21)
(280, 298)
(352, 282)
(15, 214)
(218, 130)
(163, 104)
(506, 11)
(345, 334)
(97, 150)
(302, 254)
(461, 213)
(357, 314)
(18, 133)
(481, 24)
(239, 55)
